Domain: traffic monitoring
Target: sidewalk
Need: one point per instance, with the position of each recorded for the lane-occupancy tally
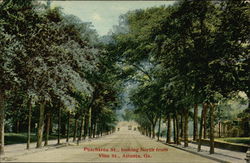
(10, 151)
(221, 155)
(20, 149)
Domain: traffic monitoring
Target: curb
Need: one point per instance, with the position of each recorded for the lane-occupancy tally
(35, 150)
(46, 148)
(193, 152)
(196, 153)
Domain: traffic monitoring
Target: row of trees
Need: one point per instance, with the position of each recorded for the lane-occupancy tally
(53, 63)
(181, 56)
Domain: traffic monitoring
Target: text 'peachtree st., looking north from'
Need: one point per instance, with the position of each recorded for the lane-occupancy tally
(88, 149)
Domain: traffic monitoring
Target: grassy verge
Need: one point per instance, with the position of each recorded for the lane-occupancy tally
(236, 140)
(18, 138)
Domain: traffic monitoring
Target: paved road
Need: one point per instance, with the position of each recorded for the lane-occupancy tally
(122, 146)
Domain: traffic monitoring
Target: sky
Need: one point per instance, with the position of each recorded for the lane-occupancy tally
(104, 14)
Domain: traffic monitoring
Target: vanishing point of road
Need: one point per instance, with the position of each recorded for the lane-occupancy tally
(121, 146)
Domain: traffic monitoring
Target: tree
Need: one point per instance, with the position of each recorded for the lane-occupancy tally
(10, 78)
(54, 57)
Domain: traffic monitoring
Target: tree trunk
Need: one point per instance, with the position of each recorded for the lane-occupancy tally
(101, 129)
(90, 121)
(201, 126)
(186, 128)
(195, 131)
(93, 129)
(224, 129)
(68, 127)
(40, 125)
(205, 122)
(219, 129)
(51, 126)
(75, 130)
(2, 115)
(159, 129)
(177, 129)
(153, 129)
(47, 128)
(80, 130)
(17, 125)
(29, 123)
(97, 129)
(182, 127)
(59, 126)
(211, 114)
(86, 125)
(169, 129)
(149, 130)
(174, 126)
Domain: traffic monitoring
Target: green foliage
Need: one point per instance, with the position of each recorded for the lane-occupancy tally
(128, 115)
(57, 60)
(193, 51)
(241, 140)
(17, 138)
(49, 56)
(188, 53)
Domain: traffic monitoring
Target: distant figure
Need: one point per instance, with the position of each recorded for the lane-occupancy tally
(135, 129)
(118, 129)
(129, 127)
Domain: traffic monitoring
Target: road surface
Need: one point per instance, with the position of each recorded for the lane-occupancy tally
(122, 146)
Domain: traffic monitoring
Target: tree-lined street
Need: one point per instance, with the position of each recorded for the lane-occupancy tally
(124, 139)
(179, 70)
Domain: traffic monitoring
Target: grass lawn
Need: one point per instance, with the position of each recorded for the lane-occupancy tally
(17, 138)
(237, 140)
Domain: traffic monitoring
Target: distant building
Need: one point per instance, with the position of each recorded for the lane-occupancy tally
(127, 125)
